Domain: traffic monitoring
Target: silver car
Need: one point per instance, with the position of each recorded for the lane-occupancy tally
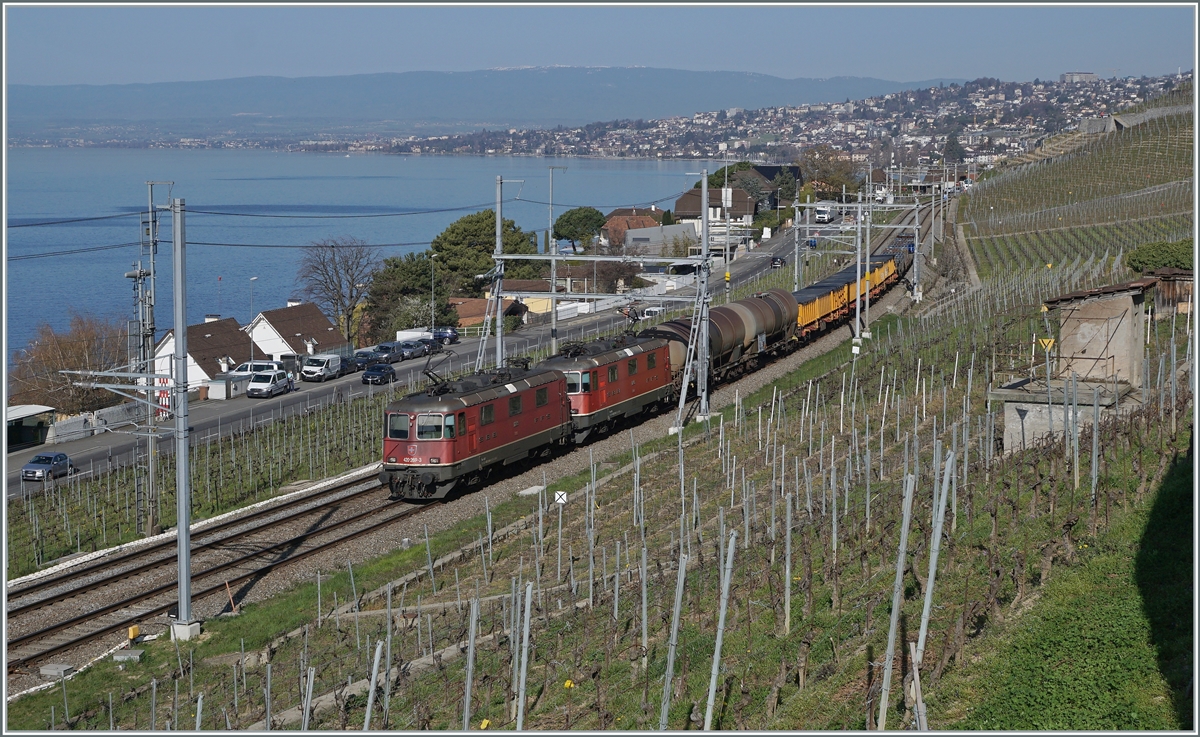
(268, 384)
(47, 465)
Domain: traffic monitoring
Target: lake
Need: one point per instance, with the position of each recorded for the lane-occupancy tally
(398, 202)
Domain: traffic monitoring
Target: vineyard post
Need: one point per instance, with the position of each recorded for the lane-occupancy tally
(901, 552)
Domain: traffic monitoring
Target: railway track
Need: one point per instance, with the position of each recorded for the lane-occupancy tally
(73, 631)
(203, 539)
(36, 646)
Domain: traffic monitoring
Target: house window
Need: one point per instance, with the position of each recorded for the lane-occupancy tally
(632, 366)
(514, 405)
(542, 397)
(651, 360)
(487, 414)
(612, 373)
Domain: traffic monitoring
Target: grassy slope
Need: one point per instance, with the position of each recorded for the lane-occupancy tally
(1106, 645)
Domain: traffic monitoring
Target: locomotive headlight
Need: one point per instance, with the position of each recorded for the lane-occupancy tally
(391, 459)
(435, 460)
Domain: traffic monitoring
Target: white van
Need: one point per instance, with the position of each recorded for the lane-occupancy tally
(254, 367)
(321, 367)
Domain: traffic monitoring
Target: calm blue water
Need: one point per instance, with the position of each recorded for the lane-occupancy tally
(57, 184)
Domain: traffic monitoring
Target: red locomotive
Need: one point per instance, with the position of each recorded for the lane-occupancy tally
(612, 378)
(459, 431)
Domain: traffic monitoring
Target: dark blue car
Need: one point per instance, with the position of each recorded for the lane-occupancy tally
(380, 373)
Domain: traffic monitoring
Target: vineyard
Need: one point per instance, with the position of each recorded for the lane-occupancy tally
(779, 524)
(1121, 190)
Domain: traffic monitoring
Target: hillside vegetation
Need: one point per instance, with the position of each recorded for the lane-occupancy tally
(1118, 191)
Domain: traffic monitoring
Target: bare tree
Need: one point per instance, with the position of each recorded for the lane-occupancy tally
(90, 344)
(335, 274)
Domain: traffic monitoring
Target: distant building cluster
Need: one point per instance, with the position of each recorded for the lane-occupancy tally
(991, 119)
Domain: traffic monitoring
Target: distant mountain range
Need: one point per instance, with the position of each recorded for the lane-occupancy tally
(428, 102)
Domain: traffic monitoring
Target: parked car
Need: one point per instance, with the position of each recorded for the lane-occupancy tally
(412, 349)
(268, 384)
(346, 367)
(366, 357)
(322, 367)
(253, 367)
(391, 352)
(431, 344)
(47, 465)
(379, 373)
(445, 334)
(778, 263)
(651, 312)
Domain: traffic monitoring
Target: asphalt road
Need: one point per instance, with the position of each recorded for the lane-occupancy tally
(210, 417)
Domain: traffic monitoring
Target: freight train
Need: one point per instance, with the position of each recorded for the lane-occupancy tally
(457, 433)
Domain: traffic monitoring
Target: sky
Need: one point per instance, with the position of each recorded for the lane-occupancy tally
(146, 43)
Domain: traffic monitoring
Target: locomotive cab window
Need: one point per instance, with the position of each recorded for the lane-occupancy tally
(541, 397)
(612, 373)
(449, 426)
(632, 366)
(398, 426)
(588, 381)
(577, 383)
(429, 427)
(651, 360)
(514, 405)
(462, 424)
(487, 414)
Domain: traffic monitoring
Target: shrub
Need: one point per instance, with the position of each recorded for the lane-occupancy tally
(1161, 254)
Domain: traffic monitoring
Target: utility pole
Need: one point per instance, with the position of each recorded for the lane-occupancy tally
(553, 269)
(796, 248)
(432, 277)
(866, 333)
(705, 268)
(858, 249)
(499, 276)
(184, 628)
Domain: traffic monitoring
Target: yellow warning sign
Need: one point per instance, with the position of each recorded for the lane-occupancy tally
(1047, 343)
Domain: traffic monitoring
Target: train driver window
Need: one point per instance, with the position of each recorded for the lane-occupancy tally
(573, 382)
(596, 379)
(612, 373)
(462, 424)
(449, 427)
(429, 427)
(588, 380)
(398, 426)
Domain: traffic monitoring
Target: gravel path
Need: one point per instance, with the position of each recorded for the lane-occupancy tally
(471, 505)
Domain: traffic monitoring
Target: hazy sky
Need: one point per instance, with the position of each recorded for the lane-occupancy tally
(114, 45)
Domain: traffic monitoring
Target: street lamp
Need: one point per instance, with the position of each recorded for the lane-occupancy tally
(432, 322)
(252, 280)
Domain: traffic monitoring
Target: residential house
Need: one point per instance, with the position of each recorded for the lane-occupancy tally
(652, 211)
(296, 330)
(651, 241)
(213, 346)
(473, 310)
(743, 207)
(534, 305)
(612, 234)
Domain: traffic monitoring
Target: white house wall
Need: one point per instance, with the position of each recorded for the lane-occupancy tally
(164, 358)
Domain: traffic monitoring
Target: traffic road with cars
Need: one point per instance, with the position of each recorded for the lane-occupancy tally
(211, 417)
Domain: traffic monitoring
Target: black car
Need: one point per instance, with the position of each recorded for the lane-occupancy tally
(778, 263)
(380, 373)
(367, 357)
(444, 335)
(431, 344)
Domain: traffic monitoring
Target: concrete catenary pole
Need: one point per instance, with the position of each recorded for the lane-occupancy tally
(935, 548)
(499, 274)
(670, 674)
(183, 493)
(553, 273)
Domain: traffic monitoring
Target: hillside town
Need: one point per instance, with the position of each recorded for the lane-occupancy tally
(990, 118)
